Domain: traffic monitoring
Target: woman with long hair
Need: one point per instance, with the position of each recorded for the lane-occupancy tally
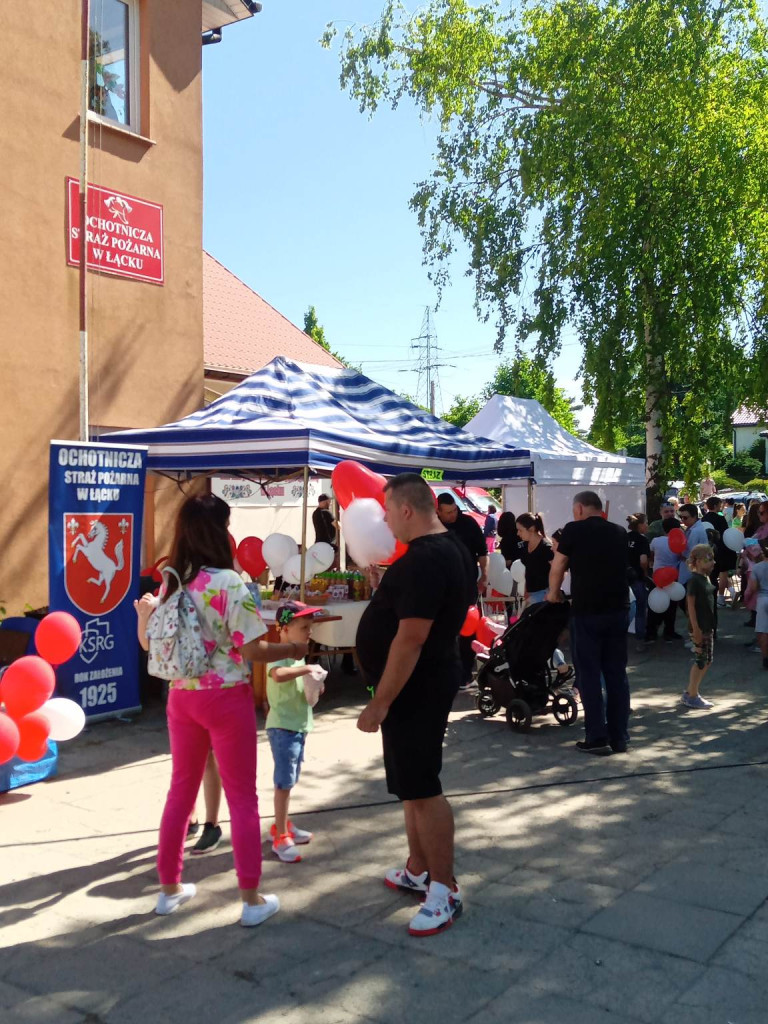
(510, 544)
(215, 711)
(756, 530)
(639, 551)
(536, 555)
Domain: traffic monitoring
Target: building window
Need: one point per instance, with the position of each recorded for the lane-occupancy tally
(114, 59)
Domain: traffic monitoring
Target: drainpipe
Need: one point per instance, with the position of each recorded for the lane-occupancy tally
(85, 86)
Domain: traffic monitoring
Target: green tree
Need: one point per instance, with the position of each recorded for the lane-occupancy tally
(525, 378)
(463, 410)
(317, 333)
(615, 152)
(314, 330)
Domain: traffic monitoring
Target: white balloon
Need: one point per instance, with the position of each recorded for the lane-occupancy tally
(320, 556)
(518, 571)
(733, 538)
(292, 570)
(277, 549)
(676, 591)
(505, 584)
(65, 717)
(658, 601)
(366, 534)
(497, 566)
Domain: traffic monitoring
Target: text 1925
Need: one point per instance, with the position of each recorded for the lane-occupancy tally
(98, 694)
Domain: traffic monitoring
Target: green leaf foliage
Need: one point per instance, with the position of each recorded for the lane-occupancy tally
(605, 164)
(317, 333)
(522, 377)
(463, 410)
(743, 467)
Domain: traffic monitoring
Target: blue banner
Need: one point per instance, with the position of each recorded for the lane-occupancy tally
(96, 500)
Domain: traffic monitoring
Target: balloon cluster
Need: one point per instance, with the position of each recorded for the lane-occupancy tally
(281, 553)
(360, 492)
(668, 588)
(31, 717)
(502, 579)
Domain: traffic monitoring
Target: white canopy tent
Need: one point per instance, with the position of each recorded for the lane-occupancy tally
(562, 464)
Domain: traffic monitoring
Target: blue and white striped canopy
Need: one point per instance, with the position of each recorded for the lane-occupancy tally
(289, 415)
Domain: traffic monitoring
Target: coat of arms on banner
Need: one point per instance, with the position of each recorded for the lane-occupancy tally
(97, 568)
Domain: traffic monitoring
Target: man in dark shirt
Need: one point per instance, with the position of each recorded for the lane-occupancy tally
(469, 533)
(596, 553)
(725, 558)
(322, 520)
(407, 647)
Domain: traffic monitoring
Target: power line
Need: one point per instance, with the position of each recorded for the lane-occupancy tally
(428, 391)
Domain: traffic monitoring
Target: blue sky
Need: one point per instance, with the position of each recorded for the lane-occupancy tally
(306, 200)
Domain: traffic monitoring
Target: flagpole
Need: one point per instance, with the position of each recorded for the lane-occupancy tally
(85, 87)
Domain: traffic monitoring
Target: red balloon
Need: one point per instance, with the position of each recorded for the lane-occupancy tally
(57, 638)
(250, 557)
(471, 622)
(351, 480)
(677, 541)
(26, 685)
(33, 736)
(663, 577)
(9, 738)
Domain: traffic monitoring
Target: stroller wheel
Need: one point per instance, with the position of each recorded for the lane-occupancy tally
(518, 715)
(565, 709)
(486, 704)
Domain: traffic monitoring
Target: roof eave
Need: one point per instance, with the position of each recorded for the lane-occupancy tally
(219, 13)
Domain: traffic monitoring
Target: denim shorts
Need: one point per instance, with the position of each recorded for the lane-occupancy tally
(288, 755)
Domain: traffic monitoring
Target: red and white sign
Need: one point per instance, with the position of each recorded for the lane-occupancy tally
(97, 567)
(124, 234)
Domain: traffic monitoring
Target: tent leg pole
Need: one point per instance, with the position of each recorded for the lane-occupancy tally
(150, 549)
(305, 500)
(531, 496)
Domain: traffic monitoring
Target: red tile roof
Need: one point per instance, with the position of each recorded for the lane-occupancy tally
(744, 417)
(242, 332)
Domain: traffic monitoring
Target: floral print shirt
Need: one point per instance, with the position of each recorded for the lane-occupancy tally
(229, 619)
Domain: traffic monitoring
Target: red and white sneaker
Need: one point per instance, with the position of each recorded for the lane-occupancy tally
(286, 849)
(402, 878)
(299, 835)
(438, 911)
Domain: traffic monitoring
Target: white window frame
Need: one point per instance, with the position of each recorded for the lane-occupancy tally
(134, 74)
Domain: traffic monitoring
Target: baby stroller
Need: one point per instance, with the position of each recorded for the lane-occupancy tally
(516, 674)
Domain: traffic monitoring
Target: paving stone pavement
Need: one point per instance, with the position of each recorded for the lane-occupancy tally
(628, 888)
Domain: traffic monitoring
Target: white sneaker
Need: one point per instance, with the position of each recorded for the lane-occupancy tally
(286, 849)
(401, 878)
(168, 904)
(299, 835)
(253, 915)
(437, 912)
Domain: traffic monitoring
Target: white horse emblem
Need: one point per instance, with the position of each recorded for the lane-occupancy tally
(93, 547)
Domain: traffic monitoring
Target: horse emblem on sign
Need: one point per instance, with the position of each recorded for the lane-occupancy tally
(97, 570)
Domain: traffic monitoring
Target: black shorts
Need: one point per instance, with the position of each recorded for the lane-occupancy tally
(413, 745)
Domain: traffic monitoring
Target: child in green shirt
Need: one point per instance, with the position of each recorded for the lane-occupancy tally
(292, 688)
(701, 618)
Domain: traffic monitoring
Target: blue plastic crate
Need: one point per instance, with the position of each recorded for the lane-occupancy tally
(16, 773)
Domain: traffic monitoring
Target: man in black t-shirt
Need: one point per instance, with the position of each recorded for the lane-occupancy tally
(469, 533)
(322, 520)
(725, 558)
(407, 647)
(596, 553)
